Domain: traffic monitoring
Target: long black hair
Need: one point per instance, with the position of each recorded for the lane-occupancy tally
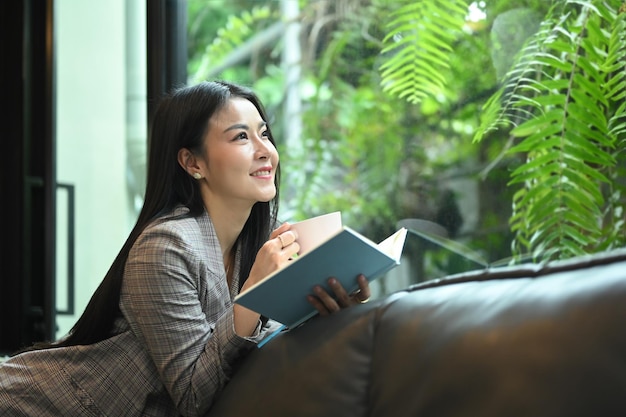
(180, 121)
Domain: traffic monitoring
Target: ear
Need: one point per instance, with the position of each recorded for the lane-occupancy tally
(189, 162)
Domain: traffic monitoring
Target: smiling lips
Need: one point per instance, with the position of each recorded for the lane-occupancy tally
(263, 172)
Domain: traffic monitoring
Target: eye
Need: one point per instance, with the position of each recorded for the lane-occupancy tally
(265, 133)
(241, 136)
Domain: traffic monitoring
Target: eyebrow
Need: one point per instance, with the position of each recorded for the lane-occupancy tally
(243, 126)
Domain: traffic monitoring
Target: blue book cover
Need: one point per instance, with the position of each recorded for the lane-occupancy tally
(282, 296)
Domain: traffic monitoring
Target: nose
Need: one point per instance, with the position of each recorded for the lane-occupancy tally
(263, 148)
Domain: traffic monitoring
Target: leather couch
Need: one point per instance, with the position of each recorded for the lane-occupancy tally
(532, 340)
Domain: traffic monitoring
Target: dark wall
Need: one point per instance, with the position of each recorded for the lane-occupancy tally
(11, 182)
(26, 174)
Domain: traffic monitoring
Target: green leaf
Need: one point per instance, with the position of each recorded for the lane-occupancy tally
(538, 124)
(421, 33)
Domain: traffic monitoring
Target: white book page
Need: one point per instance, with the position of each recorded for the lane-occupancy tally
(394, 244)
(316, 230)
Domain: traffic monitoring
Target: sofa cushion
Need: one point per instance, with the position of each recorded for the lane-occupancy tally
(538, 340)
(549, 346)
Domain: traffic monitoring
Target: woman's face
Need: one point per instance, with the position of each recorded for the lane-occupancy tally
(239, 161)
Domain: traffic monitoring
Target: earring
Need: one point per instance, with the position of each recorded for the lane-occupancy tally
(197, 175)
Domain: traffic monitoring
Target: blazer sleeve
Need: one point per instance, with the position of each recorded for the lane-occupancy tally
(182, 313)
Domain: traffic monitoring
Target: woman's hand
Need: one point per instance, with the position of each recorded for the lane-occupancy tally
(275, 253)
(327, 304)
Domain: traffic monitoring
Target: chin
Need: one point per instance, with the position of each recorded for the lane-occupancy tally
(267, 198)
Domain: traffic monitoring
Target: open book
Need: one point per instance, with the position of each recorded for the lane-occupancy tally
(327, 249)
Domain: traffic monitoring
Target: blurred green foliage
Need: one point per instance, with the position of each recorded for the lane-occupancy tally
(377, 153)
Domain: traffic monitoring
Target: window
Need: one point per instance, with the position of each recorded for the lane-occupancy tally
(377, 105)
(101, 128)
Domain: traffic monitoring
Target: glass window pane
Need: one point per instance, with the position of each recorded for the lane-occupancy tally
(377, 105)
(100, 79)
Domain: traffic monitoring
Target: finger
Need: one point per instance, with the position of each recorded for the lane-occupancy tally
(291, 251)
(329, 302)
(365, 292)
(287, 245)
(286, 238)
(319, 306)
(281, 229)
(281, 240)
(342, 297)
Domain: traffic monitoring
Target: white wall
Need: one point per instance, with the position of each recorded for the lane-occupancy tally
(91, 129)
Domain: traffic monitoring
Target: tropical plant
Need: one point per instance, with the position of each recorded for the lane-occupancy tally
(565, 98)
(363, 151)
(237, 30)
(564, 101)
(420, 40)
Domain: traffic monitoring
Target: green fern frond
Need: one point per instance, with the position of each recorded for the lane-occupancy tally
(614, 219)
(507, 107)
(238, 29)
(570, 141)
(420, 36)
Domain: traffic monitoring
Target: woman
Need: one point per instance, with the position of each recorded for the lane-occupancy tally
(161, 335)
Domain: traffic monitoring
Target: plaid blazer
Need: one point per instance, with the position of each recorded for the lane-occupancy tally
(171, 352)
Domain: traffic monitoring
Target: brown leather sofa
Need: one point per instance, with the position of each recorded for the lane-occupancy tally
(532, 341)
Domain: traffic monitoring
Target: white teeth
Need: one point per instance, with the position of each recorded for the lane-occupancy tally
(261, 173)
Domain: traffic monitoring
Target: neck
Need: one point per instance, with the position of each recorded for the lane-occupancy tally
(228, 221)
